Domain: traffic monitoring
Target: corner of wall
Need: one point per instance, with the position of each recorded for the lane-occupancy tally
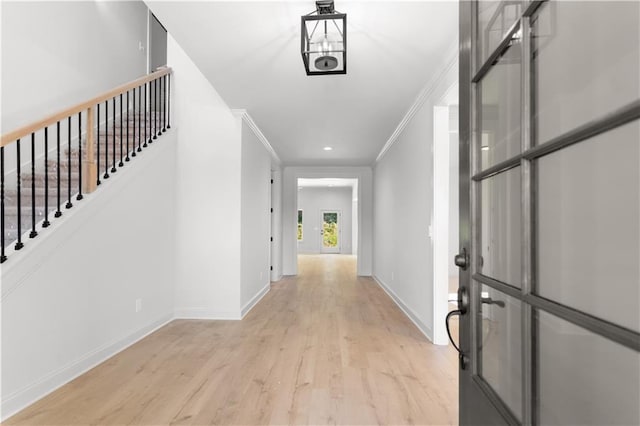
(415, 318)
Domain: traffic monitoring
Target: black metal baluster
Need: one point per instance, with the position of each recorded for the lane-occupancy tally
(140, 122)
(168, 101)
(155, 108)
(106, 140)
(58, 212)
(33, 232)
(113, 167)
(126, 158)
(46, 222)
(147, 116)
(79, 196)
(133, 151)
(19, 244)
(69, 205)
(160, 105)
(98, 146)
(121, 114)
(164, 103)
(3, 257)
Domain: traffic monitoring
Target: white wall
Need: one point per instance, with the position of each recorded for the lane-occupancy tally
(312, 200)
(354, 218)
(56, 54)
(69, 296)
(255, 219)
(290, 212)
(208, 195)
(454, 192)
(403, 211)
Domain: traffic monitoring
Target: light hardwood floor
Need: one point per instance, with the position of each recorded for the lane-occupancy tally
(325, 347)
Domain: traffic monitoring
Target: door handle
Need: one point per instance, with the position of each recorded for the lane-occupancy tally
(490, 301)
(463, 306)
(462, 260)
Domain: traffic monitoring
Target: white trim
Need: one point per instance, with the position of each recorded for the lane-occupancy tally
(428, 333)
(254, 300)
(22, 398)
(440, 222)
(205, 314)
(425, 93)
(242, 113)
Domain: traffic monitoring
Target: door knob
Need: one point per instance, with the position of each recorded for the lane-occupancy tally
(462, 260)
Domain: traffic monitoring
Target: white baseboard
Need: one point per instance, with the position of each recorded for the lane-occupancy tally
(255, 299)
(21, 399)
(428, 333)
(205, 314)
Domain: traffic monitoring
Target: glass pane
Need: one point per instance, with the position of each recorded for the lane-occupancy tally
(585, 379)
(330, 230)
(300, 228)
(500, 346)
(494, 20)
(500, 227)
(500, 97)
(586, 62)
(589, 226)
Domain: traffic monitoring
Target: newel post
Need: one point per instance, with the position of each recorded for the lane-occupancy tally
(90, 168)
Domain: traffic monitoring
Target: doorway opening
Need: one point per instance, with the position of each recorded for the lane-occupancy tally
(327, 215)
(157, 42)
(445, 222)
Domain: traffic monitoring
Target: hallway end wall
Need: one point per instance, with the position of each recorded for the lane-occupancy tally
(312, 201)
(403, 211)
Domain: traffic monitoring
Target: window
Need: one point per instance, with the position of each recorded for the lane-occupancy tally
(299, 225)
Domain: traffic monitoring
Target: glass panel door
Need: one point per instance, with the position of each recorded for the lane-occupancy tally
(330, 230)
(550, 212)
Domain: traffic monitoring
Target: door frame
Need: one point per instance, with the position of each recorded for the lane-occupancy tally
(338, 249)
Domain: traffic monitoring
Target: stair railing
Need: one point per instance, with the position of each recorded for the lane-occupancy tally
(80, 136)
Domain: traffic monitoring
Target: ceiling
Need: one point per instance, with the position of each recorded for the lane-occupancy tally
(250, 52)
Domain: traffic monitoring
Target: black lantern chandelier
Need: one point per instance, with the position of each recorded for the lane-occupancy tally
(324, 40)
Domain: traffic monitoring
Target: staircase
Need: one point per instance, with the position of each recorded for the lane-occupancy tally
(52, 182)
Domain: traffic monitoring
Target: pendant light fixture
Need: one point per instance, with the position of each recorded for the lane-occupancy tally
(324, 40)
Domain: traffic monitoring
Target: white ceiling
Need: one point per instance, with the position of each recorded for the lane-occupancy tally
(250, 52)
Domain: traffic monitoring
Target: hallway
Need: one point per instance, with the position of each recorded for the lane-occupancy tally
(325, 347)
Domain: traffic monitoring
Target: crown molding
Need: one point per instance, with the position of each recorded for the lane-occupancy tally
(425, 93)
(244, 115)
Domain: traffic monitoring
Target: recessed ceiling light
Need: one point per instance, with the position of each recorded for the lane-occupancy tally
(485, 148)
(327, 148)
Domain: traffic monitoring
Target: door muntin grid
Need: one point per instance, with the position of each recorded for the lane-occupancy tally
(606, 121)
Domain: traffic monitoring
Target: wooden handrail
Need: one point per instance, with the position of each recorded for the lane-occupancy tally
(67, 112)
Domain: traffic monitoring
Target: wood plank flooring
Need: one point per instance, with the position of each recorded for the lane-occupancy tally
(325, 347)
